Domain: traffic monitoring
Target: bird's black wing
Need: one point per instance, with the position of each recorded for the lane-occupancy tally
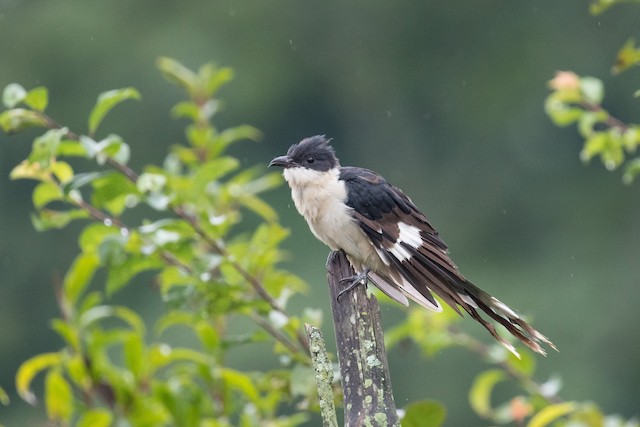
(418, 259)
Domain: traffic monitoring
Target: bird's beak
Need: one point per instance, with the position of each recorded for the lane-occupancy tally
(282, 161)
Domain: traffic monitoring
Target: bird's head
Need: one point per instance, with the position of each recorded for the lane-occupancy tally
(313, 153)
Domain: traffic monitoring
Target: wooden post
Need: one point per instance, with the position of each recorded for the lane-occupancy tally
(368, 396)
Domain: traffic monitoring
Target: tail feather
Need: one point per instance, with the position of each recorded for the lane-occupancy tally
(504, 315)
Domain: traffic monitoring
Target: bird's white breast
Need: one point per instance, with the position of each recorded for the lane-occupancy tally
(321, 197)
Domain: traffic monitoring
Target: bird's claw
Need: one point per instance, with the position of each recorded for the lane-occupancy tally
(353, 281)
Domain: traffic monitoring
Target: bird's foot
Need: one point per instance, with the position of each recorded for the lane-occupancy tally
(353, 281)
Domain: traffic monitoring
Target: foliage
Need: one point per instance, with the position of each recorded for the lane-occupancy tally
(210, 267)
(207, 265)
(579, 100)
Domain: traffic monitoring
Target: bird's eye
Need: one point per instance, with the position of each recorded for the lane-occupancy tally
(310, 160)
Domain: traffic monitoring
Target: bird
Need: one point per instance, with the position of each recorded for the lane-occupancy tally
(387, 240)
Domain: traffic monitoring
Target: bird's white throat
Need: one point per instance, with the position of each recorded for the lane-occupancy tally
(321, 197)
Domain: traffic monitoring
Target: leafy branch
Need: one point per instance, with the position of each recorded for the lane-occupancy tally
(202, 267)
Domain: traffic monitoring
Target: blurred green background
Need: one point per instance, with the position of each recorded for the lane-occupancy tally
(445, 98)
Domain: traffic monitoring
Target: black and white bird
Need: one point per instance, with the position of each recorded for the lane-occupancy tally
(387, 240)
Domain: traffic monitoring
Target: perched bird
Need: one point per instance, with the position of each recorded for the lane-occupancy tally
(387, 240)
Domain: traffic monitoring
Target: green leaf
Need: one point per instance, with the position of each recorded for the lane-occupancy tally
(259, 207)
(44, 193)
(241, 382)
(29, 369)
(133, 348)
(627, 57)
(110, 147)
(113, 192)
(45, 147)
(95, 418)
(59, 397)
(93, 235)
(561, 113)
(71, 148)
(632, 169)
(120, 275)
(480, 392)
(13, 94)
(37, 98)
(207, 334)
(426, 413)
(47, 219)
(79, 275)
(81, 179)
(106, 102)
(4, 397)
(62, 171)
(67, 332)
(15, 120)
(592, 89)
(551, 413)
(213, 77)
(187, 110)
(101, 312)
(176, 73)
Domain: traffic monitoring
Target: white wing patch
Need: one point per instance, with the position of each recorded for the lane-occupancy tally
(399, 252)
(410, 235)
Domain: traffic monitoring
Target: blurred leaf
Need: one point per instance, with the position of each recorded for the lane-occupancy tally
(208, 335)
(82, 179)
(112, 191)
(45, 147)
(302, 381)
(37, 98)
(426, 413)
(29, 369)
(93, 235)
(62, 171)
(151, 182)
(627, 57)
(241, 382)
(13, 94)
(259, 207)
(28, 170)
(481, 390)
(231, 135)
(120, 275)
(551, 413)
(589, 119)
(525, 365)
(186, 109)
(59, 397)
(551, 387)
(561, 113)
(95, 418)
(176, 73)
(44, 193)
(213, 77)
(133, 354)
(4, 397)
(102, 312)
(71, 148)
(67, 332)
(18, 119)
(79, 275)
(47, 219)
(107, 101)
(592, 89)
(632, 169)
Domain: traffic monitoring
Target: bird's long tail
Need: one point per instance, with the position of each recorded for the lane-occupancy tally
(475, 299)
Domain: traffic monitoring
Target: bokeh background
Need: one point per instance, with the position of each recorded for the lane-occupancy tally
(445, 98)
